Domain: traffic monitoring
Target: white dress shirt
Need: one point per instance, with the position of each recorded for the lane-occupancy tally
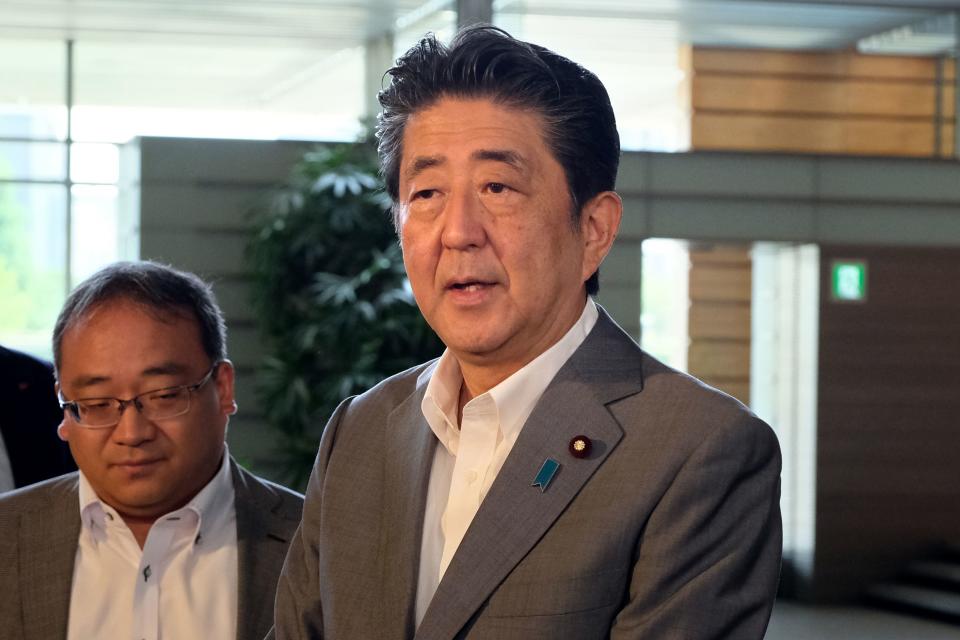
(182, 584)
(471, 454)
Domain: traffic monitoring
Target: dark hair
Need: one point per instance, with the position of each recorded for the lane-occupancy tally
(483, 61)
(159, 288)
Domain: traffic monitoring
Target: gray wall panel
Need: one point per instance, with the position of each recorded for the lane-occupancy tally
(731, 219)
(741, 175)
(892, 179)
(233, 294)
(890, 224)
(217, 206)
(622, 302)
(244, 162)
(210, 253)
(636, 217)
(634, 173)
(245, 347)
(246, 393)
(622, 265)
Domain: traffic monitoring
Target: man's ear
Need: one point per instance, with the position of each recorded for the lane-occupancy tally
(63, 431)
(599, 223)
(224, 381)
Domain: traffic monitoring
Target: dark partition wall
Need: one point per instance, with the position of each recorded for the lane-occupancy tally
(888, 480)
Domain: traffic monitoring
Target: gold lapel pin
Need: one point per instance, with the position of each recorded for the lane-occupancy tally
(580, 447)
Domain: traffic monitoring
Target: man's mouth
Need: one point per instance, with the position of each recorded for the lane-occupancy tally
(133, 464)
(469, 286)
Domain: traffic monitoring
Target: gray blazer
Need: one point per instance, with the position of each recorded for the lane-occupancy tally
(40, 528)
(669, 529)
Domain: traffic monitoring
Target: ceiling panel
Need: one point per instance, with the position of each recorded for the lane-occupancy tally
(324, 23)
(743, 23)
(334, 24)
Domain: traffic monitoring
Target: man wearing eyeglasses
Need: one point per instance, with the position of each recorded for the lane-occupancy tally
(160, 535)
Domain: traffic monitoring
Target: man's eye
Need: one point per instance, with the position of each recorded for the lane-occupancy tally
(167, 394)
(424, 194)
(497, 187)
(91, 405)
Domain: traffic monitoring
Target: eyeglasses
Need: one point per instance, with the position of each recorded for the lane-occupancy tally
(158, 404)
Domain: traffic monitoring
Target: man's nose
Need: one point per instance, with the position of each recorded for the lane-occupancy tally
(134, 428)
(463, 221)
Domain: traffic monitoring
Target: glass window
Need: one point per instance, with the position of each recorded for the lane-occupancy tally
(32, 160)
(412, 26)
(128, 89)
(665, 300)
(33, 253)
(97, 163)
(96, 233)
(32, 93)
(638, 61)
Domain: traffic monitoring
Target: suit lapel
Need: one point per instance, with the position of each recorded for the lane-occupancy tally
(47, 556)
(261, 547)
(409, 447)
(515, 515)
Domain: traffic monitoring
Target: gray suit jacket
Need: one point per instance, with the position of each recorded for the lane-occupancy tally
(669, 529)
(40, 527)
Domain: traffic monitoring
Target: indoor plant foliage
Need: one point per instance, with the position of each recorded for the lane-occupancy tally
(332, 297)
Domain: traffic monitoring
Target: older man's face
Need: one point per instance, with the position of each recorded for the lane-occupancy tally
(496, 265)
(144, 468)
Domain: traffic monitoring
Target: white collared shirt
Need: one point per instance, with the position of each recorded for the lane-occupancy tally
(182, 584)
(6, 469)
(471, 454)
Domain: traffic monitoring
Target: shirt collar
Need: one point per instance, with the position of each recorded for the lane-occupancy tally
(210, 508)
(514, 398)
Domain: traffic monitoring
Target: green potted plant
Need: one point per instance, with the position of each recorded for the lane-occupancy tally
(332, 297)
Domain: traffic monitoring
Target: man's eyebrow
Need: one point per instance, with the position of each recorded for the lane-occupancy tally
(165, 369)
(420, 164)
(506, 156)
(162, 369)
(88, 381)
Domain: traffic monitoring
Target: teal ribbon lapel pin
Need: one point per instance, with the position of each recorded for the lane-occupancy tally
(546, 473)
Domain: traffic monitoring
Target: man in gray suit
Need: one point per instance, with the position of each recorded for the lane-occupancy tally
(161, 534)
(544, 478)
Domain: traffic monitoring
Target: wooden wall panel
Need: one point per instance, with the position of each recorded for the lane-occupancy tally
(720, 283)
(816, 64)
(719, 320)
(716, 359)
(751, 132)
(719, 317)
(827, 102)
(888, 412)
(816, 96)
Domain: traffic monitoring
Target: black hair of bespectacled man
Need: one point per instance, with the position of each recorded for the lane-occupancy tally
(159, 289)
(486, 62)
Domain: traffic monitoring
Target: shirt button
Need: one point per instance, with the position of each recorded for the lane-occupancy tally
(472, 476)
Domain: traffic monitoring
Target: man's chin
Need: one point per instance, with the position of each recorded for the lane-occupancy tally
(490, 352)
(148, 502)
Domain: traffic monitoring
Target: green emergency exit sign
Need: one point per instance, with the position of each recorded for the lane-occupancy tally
(848, 280)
